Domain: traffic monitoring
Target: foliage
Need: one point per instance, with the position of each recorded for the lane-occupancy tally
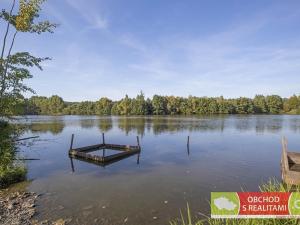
(10, 170)
(103, 106)
(15, 67)
(163, 105)
(274, 103)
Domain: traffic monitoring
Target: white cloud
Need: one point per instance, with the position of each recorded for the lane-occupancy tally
(90, 14)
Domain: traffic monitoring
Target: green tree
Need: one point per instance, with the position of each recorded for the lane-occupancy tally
(103, 106)
(260, 105)
(292, 103)
(159, 105)
(274, 103)
(56, 105)
(173, 105)
(225, 106)
(244, 105)
(123, 107)
(139, 105)
(14, 67)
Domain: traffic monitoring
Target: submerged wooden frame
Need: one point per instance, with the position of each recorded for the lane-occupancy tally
(289, 160)
(85, 153)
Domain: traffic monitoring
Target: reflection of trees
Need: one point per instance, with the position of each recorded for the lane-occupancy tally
(259, 123)
(55, 127)
(295, 124)
(271, 124)
(173, 124)
(162, 124)
(129, 124)
(105, 124)
(243, 123)
(87, 123)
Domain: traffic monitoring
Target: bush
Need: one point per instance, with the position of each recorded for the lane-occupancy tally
(12, 175)
(10, 170)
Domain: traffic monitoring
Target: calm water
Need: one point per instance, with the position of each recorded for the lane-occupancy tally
(226, 153)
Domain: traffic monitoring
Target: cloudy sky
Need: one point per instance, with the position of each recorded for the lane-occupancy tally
(169, 47)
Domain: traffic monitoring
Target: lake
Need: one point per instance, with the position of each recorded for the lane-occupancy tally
(226, 153)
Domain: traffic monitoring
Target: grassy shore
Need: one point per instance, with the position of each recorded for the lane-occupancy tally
(11, 171)
(272, 185)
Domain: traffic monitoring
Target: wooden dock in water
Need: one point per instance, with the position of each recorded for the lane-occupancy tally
(86, 153)
(290, 165)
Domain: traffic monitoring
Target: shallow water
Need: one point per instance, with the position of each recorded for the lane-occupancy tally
(226, 153)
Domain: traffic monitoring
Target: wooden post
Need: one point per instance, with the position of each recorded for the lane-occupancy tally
(138, 141)
(72, 139)
(138, 159)
(72, 165)
(103, 139)
(188, 145)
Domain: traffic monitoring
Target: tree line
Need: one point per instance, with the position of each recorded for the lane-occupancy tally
(163, 105)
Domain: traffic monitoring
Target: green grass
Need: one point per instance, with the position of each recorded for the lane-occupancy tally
(11, 171)
(271, 186)
(12, 174)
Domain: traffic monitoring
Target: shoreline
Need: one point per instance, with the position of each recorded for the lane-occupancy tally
(19, 207)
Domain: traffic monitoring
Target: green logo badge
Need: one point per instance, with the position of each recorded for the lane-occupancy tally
(294, 203)
(224, 204)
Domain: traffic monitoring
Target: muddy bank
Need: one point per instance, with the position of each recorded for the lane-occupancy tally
(19, 208)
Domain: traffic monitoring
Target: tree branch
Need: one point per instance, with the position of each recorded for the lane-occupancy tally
(6, 65)
(6, 32)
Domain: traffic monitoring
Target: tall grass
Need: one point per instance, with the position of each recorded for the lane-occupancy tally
(271, 186)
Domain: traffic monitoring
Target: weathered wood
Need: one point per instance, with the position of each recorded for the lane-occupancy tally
(290, 162)
(102, 158)
(138, 141)
(293, 157)
(103, 164)
(188, 141)
(103, 138)
(90, 147)
(26, 159)
(22, 139)
(284, 154)
(72, 139)
(83, 152)
(120, 155)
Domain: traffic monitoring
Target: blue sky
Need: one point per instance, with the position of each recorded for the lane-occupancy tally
(202, 48)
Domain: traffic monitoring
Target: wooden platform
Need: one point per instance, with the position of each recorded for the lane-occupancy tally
(290, 165)
(86, 153)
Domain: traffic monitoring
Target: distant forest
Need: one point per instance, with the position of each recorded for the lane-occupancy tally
(163, 105)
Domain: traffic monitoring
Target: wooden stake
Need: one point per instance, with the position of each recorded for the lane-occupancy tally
(188, 140)
(138, 140)
(103, 139)
(138, 159)
(72, 139)
(72, 165)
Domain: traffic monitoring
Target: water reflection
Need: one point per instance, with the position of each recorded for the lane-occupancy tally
(136, 124)
(55, 127)
(158, 125)
(224, 154)
(105, 124)
(102, 164)
(87, 123)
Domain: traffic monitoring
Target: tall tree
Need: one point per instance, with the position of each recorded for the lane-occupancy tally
(15, 67)
(159, 105)
(103, 106)
(56, 105)
(274, 103)
(260, 105)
